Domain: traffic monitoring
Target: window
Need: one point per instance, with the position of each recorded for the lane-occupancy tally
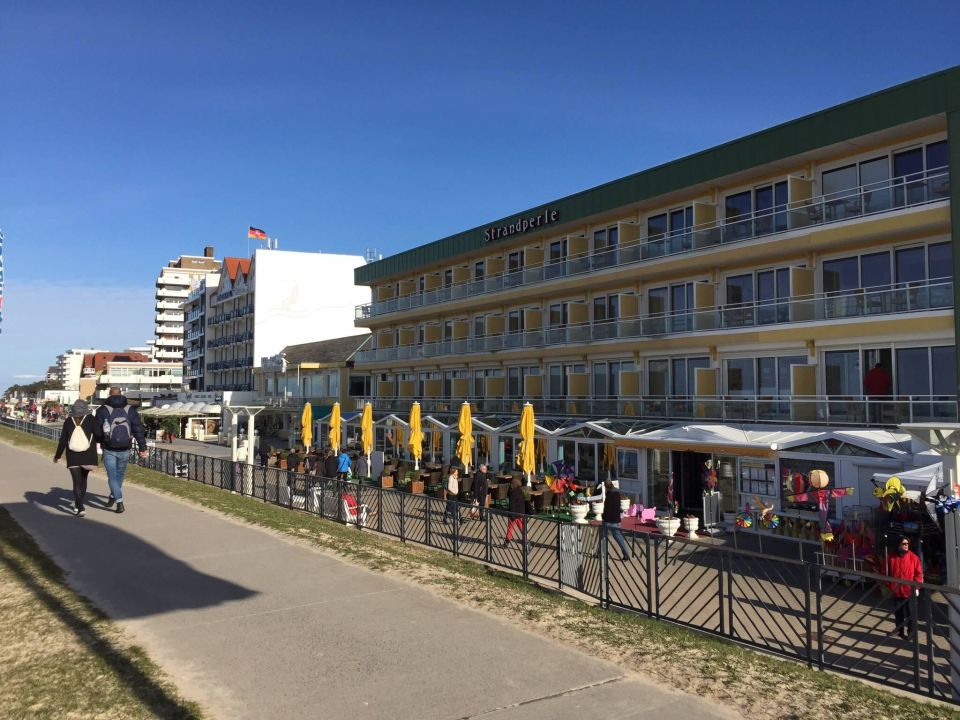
(940, 261)
(657, 302)
(479, 326)
(604, 243)
(677, 224)
(770, 205)
(448, 330)
(683, 375)
(515, 261)
(842, 372)
(515, 321)
(606, 307)
(740, 377)
(448, 277)
(558, 315)
(478, 270)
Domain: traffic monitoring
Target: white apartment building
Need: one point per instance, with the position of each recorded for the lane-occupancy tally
(195, 350)
(174, 284)
(70, 366)
(275, 299)
(140, 380)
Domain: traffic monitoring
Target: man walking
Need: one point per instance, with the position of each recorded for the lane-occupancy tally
(481, 481)
(611, 519)
(121, 425)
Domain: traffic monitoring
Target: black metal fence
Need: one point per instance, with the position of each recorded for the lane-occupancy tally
(831, 618)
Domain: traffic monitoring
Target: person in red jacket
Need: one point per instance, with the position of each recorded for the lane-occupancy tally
(904, 564)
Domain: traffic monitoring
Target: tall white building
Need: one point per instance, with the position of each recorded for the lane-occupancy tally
(276, 298)
(174, 285)
(70, 366)
(195, 350)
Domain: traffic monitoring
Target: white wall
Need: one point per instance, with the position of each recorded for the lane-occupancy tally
(303, 297)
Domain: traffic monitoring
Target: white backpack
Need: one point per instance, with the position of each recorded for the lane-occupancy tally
(79, 442)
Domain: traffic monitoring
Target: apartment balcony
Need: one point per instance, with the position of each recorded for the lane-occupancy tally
(181, 281)
(162, 354)
(860, 202)
(169, 305)
(170, 316)
(168, 293)
(808, 410)
(863, 304)
(167, 329)
(169, 341)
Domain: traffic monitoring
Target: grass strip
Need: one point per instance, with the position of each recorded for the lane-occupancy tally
(61, 657)
(757, 685)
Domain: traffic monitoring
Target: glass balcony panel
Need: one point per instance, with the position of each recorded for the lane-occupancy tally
(532, 275)
(555, 270)
(654, 248)
(578, 333)
(606, 330)
(605, 258)
(735, 316)
(680, 322)
(654, 326)
(556, 336)
(578, 265)
(494, 342)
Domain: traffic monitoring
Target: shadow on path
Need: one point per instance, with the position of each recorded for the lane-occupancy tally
(126, 576)
(17, 549)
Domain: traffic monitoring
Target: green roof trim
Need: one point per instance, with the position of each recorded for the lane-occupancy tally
(927, 96)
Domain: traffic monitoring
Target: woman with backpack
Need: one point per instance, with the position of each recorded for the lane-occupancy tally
(79, 439)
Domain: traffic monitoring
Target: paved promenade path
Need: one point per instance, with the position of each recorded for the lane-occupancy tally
(252, 625)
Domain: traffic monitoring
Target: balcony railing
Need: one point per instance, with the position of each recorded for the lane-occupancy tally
(859, 303)
(867, 200)
(806, 410)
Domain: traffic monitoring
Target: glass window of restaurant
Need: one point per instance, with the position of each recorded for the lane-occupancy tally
(658, 478)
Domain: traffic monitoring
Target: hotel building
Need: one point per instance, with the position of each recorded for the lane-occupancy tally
(174, 285)
(723, 307)
(274, 299)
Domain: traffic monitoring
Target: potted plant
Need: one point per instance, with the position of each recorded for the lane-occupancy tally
(578, 508)
(668, 523)
(386, 478)
(691, 523)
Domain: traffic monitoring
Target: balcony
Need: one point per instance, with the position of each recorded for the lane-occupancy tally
(808, 410)
(172, 293)
(169, 305)
(866, 201)
(165, 329)
(863, 303)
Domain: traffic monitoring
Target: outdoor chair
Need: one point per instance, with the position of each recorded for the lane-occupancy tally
(501, 495)
(351, 511)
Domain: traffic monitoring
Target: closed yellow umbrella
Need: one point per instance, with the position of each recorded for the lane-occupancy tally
(435, 443)
(366, 428)
(335, 431)
(416, 435)
(306, 425)
(465, 443)
(528, 460)
(609, 458)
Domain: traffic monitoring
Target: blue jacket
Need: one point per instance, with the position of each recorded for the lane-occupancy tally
(343, 462)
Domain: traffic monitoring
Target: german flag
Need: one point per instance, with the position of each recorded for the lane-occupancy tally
(256, 234)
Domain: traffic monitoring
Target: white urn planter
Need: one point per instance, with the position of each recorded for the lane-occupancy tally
(624, 506)
(691, 525)
(579, 513)
(729, 521)
(668, 525)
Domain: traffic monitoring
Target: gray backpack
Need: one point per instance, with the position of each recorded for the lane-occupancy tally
(116, 428)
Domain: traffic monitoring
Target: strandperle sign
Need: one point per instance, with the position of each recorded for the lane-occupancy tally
(499, 232)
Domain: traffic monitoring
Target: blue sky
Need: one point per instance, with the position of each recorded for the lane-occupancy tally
(134, 132)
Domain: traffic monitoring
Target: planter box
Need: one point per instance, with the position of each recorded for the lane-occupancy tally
(414, 487)
(386, 481)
